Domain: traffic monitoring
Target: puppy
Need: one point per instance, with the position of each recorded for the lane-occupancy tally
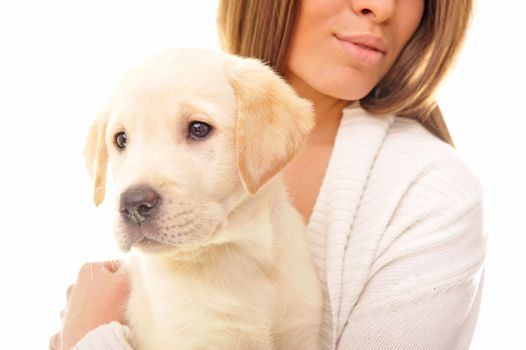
(196, 140)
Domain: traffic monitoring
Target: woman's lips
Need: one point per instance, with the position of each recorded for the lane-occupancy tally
(365, 49)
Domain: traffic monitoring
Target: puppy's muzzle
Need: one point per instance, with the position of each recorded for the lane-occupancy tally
(138, 204)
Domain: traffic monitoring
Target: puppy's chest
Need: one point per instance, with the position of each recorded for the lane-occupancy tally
(169, 309)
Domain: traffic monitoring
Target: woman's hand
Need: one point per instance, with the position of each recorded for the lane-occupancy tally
(98, 297)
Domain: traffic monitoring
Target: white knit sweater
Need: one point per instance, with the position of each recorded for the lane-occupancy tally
(397, 237)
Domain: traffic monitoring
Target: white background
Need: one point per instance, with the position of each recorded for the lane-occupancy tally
(59, 61)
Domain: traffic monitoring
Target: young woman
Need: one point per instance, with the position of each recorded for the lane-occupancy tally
(394, 217)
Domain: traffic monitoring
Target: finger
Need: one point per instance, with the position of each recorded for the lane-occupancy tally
(54, 342)
(69, 291)
(112, 265)
(62, 315)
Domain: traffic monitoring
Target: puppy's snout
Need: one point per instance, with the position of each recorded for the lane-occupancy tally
(138, 204)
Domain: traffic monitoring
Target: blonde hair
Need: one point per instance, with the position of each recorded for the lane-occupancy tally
(263, 29)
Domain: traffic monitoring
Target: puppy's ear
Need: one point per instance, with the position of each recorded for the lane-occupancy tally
(96, 157)
(272, 121)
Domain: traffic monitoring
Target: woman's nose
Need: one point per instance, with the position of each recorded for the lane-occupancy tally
(377, 10)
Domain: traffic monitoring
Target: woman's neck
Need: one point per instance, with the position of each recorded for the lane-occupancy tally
(327, 109)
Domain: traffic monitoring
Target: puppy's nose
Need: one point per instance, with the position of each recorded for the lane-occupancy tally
(137, 204)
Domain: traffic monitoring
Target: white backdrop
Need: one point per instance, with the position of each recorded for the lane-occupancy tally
(60, 60)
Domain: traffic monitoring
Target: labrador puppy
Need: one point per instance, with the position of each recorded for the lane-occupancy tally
(195, 140)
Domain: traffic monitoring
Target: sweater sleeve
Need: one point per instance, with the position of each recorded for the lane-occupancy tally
(111, 336)
(425, 281)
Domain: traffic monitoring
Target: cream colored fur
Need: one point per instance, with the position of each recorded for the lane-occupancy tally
(224, 263)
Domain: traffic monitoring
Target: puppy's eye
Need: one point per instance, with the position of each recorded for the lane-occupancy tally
(120, 140)
(198, 130)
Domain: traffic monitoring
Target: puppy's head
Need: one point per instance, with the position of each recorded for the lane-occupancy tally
(189, 134)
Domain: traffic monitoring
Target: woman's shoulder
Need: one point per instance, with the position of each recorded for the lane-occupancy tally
(410, 152)
(414, 181)
(393, 149)
(425, 186)
(386, 162)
